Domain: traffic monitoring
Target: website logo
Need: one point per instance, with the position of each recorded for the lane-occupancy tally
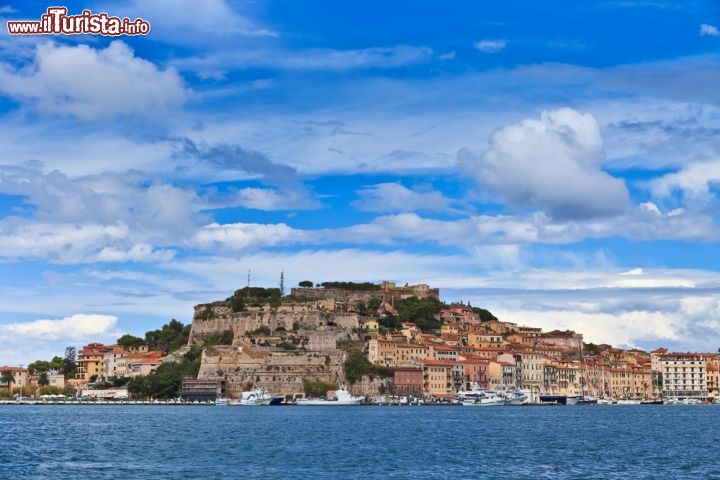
(57, 22)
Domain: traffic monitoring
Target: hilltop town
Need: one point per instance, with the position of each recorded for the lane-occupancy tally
(381, 340)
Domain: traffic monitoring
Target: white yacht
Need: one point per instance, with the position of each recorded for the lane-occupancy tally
(342, 397)
(478, 397)
(515, 397)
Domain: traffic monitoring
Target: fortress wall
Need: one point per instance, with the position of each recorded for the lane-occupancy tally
(281, 373)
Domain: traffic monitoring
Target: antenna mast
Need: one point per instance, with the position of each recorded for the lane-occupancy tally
(282, 283)
(248, 284)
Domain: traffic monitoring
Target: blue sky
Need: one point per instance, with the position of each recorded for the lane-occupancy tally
(557, 164)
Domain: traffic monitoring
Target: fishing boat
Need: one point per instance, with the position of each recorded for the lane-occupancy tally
(255, 397)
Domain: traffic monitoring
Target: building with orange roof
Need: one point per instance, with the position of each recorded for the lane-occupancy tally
(567, 339)
(141, 364)
(91, 361)
(20, 378)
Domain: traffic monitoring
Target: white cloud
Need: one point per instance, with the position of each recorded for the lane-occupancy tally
(151, 208)
(77, 328)
(491, 46)
(394, 197)
(709, 30)
(314, 59)
(43, 339)
(553, 163)
(73, 243)
(91, 84)
(694, 181)
(269, 199)
(675, 308)
(241, 236)
(187, 22)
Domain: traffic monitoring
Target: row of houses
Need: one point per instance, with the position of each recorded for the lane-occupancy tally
(95, 363)
(501, 355)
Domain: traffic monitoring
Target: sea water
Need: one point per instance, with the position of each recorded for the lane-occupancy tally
(366, 442)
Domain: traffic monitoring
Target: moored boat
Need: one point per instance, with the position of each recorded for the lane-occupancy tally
(342, 398)
(553, 399)
(484, 399)
(253, 398)
(479, 397)
(515, 397)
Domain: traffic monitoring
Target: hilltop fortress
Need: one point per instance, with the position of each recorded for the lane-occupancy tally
(277, 347)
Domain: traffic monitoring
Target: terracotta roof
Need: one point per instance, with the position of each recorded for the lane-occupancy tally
(13, 369)
(439, 362)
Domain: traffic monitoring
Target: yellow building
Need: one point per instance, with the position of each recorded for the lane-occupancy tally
(484, 340)
(91, 361)
(410, 353)
(437, 378)
(570, 378)
(20, 379)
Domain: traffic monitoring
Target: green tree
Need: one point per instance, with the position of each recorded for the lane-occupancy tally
(130, 341)
(365, 286)
(390, 322)
(44, 366)
(356, 365)
(8, 377)
(237, 304)
(39, 366)
(485, 315)
(43, 379)
(69, 362)
(424, 313)
(317, 388)
(165, 382)
(169, 338)
(224, 338)
(305, 284)
(373, 304)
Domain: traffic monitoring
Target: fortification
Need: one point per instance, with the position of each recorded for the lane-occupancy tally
(386, 291)
(274, 348)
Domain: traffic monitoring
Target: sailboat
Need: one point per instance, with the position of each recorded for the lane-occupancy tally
(585, 398)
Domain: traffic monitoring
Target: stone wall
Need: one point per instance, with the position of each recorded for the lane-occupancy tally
(216, 318)
(280, 373)
(337, 294)
(244, 366)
